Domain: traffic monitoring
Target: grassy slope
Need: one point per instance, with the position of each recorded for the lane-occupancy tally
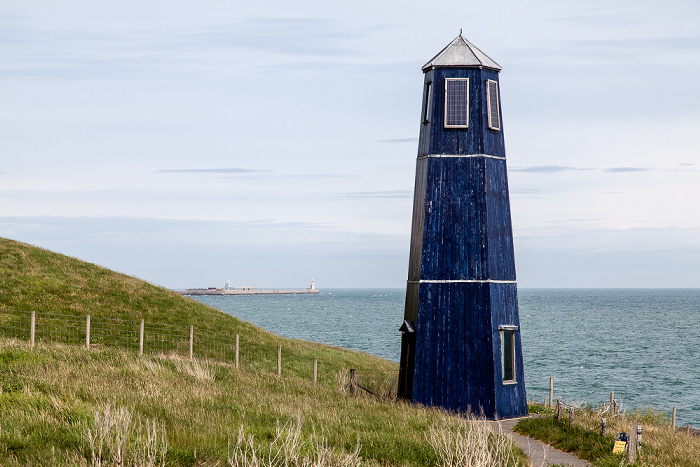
(49, 395)
(32, 278)
(662, 445)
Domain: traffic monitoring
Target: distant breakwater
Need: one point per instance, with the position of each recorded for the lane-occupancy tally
(246, 291)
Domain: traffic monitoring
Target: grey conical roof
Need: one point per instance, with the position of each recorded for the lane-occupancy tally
(461, 53)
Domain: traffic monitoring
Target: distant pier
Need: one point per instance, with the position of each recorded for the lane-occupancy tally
(228, 290)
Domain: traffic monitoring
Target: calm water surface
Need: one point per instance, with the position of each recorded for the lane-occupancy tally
(644, 344)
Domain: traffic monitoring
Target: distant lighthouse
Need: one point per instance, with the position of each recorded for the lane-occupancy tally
(461, 333)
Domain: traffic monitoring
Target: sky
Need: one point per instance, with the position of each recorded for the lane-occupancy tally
(270, 143)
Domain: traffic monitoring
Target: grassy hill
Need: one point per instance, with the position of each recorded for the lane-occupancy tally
(35, 279)
(65, 405)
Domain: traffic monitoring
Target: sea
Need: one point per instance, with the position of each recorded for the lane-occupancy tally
(641, 344)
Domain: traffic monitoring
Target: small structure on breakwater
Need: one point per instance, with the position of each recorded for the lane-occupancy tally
(460, 346)
(241, 290)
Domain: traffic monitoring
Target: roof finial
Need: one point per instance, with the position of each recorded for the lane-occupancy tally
(460, 31)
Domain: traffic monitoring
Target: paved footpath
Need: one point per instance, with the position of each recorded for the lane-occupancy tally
(540, 454)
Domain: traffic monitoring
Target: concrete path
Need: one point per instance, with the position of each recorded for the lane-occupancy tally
(540, 454)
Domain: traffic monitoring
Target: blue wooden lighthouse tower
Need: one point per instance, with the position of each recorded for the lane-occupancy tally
(461, 333)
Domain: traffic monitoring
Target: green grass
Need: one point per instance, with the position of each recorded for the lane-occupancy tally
(584, 444)
(662, 445)
(50, 393)
(34, 279)
(54, 396)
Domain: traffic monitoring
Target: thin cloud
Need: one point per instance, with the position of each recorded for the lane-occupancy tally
(572, 221)
(398, 140)
(529, 191)
(99, 54)
(230, 170)
(545, 169)
(583, 52)
(567, 168)
(311, 176)
(283, 36)
(379, 194)
(625, 169)
(616, 19)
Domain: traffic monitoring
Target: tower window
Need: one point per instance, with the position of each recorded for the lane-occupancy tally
(508, 353)
(492, 104)
(456, 102)
(426, 103)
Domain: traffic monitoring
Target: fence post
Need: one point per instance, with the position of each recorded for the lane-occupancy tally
(32, 331)
(551, 391)
(632, 445)
(315, 370)
(237, 349)
(353, 381)
(603, 426)
(571, 416)
(191, 341)
(558, 409)
(87, 332)
(279, 360)
(673, 420)
(639, 438)
(612, 399)
(141, 331)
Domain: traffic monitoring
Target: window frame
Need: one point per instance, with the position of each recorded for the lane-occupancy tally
(488, 105)
(466, 125)
(508, 332)
(427, 102)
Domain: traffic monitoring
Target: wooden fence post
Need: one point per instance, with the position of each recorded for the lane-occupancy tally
(612, 399)
(551, 391)
(315, 370)
(673, 420)
(32, 330)
(632, 445)
(603, 426)
(191, 341)
(237, 349)
(142, 327)
(87, 332)
(352, 385)
(571, 416)
(279, 360)
(558, 409)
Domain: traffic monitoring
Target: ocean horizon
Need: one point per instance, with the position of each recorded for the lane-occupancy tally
(642, 344)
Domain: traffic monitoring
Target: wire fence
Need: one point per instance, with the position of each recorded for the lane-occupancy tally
(159, 338)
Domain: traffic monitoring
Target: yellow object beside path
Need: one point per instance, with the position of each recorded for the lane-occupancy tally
(619, 447)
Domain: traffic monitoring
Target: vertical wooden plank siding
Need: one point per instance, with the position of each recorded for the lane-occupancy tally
(461, 276)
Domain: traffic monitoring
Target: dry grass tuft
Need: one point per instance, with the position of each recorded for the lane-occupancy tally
(200, 371)
(471, 443)
(116, 437)
(289, 448)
